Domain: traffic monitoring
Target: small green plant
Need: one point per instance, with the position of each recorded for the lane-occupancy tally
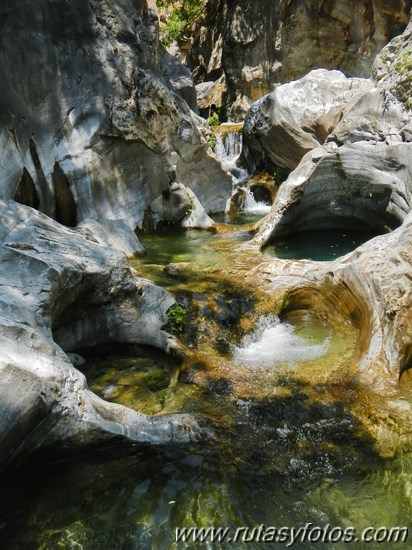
(176, 320)
(211, 140)
(213, 119)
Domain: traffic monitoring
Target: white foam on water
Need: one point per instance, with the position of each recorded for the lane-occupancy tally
(275, 342)
(227, 150)
(251, 206)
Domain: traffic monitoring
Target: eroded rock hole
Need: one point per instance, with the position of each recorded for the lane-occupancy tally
(261, 194)
(137, 376)
(319, 246)
(26, 192)
(66, 209)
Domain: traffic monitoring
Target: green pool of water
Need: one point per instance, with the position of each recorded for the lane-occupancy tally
(136, 501)
(288, 449)
(320, 247)
(242, 218)
(204, 248)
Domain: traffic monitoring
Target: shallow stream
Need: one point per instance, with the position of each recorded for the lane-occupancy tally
(276, 389)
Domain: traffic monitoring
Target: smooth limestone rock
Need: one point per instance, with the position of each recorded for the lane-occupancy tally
(178, 205)
(297, 117)
(60, 292)
(363, 186)
(249, 46)
(93, 116)
(371, 288)
(359, 179)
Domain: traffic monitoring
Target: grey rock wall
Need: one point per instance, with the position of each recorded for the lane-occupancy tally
(92, 115)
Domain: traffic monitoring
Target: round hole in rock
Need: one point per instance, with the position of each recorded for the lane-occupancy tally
(140, 377)
(261, 194)
(318, 246)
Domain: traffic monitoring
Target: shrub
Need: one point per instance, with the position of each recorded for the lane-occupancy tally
(213, 119)
(176, 320)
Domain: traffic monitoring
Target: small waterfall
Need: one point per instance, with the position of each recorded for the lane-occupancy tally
(227, 150)
(251, 206)
(274, 342)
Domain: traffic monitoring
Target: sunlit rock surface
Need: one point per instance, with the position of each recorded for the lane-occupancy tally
(93, 116)
(297, 117)
(61, 292)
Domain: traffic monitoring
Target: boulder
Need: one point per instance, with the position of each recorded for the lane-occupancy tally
(178, 206)
(297, 117)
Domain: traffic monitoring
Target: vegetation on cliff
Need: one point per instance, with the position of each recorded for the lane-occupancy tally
(177, 18)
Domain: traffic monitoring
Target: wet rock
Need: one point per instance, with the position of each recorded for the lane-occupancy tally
(178, 270)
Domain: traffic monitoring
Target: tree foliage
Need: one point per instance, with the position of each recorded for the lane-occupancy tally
(178, 17)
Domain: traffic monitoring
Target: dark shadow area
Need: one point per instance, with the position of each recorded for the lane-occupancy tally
(26, 192)
(66, 209)
(278, 454)
(261, 194)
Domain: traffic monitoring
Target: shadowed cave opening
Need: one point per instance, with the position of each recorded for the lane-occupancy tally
(261, 194)
(323, 227)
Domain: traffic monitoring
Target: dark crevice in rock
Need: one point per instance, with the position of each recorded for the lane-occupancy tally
(35, 156)
(66, 209)
(26, 192)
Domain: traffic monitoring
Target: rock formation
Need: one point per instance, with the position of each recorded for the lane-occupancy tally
(94, 126)
(240, 49)
(297, 117)
(61, 292)
(93, 116)
(359, 179)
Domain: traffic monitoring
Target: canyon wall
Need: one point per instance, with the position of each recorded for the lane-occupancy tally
(94, 124)
(94, 121)
(239, 49)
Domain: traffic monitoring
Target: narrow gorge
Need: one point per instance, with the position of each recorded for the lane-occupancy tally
(206, 297)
